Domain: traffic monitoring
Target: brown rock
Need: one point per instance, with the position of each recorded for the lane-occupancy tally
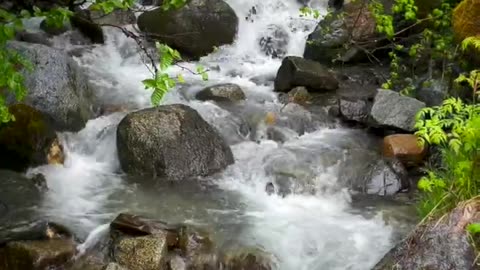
(55, 153)
(138, 226)
(36, 255)
(299, 95)
(405, 147)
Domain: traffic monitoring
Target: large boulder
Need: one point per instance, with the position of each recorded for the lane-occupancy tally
(57, 86)
(170, 141)
(441, 244)
(195, 29)
(222, 92)
(392, 110)
(354, 23)
(25, 142)
(296, 71)
(404, 147)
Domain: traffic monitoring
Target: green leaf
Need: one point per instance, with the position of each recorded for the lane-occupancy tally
(473, 228)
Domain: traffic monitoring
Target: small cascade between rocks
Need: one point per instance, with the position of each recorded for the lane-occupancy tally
(310, 222)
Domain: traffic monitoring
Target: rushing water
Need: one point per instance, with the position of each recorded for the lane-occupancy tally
(305, 230)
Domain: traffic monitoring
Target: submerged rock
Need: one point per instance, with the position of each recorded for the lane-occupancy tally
(195, 29)
(57, 86)
(222, 92)
(392, 110)
(248, 258)
(170, 141)
(36, 255)
(296, 71)
(27, 141)
(298, 95)
(274, 41)
(386, 178)
(440, 244)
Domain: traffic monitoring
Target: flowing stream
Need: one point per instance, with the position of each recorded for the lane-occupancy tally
(305, 230)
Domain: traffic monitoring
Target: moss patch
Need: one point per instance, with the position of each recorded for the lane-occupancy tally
(25, 141)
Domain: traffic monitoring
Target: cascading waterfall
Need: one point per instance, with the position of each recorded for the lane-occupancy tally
(304, 230)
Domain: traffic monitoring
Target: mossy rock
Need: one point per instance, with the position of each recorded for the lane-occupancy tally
(466, 18)
(25, 142)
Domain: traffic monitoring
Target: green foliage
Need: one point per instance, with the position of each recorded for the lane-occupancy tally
(309, 12)
(474, 228)
(473, 42)
(411, 53)
(454, 127)
(161, 82)
(108, 6)
(173, 4)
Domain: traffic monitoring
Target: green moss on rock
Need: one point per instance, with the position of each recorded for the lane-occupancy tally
(25, 141)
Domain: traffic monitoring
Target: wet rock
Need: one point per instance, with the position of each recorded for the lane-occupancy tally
(440, 244)
(193, 241)
(204, 262)
(117, 17)
(270, 188)
(172, 141)
(40, 182)
(274, 41)
(404, 147)
(37, 38)
(280, 134)
(18, 198)
(394, 111)
(296, 71)
(138, 226)
(37, 255)
(55, 153)
(141, 253)
(222, 92)
(34, 231)
(386, 178)
(57, 86)
(248, 258)
(25, 142)
(297, 95)
(354, 21)
(195, 29)
(355, 105)
(89, 29)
